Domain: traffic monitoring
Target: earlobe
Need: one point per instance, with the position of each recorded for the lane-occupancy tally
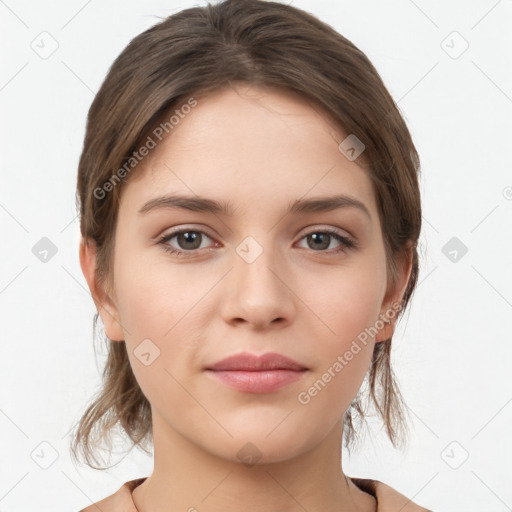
(385, 332)
(393, 301)
(105, 306)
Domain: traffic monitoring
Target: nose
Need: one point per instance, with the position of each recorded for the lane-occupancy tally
(258, 293)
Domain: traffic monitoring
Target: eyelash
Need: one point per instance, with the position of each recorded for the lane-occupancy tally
(346, 242)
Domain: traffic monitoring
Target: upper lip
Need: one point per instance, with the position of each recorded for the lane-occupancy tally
(251, 362)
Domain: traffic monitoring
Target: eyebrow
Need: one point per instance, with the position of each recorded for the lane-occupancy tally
(203, 204)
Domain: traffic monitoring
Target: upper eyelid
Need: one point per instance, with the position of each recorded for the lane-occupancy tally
(173, 233)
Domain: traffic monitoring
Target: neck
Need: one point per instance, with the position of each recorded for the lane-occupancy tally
(187, 478)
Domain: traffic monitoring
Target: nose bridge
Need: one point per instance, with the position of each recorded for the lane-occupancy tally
(258, 294)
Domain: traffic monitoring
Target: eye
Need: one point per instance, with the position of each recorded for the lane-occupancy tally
(188, 240)
(321, 239)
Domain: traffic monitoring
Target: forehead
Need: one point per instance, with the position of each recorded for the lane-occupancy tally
(251, 143)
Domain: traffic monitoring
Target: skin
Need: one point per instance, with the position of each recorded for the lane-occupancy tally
(259, 149)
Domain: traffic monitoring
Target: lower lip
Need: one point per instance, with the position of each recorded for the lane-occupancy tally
(264, 381)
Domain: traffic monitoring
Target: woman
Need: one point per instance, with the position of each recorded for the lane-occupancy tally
(250, 213)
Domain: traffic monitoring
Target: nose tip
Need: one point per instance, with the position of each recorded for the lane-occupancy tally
(257, 295)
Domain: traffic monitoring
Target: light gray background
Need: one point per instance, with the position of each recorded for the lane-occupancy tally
(452, 351)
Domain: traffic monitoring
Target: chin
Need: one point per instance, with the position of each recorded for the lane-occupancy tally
(255, 448)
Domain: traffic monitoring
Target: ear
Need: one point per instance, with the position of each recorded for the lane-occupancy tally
(394, 295)
(104, 304)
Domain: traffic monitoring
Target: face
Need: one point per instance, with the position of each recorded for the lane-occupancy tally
(194, 285)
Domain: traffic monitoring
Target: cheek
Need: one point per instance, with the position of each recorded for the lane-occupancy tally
(343, 357)
(348, 306)
(330, 393)
(155, 296)
(155, 305)
(346, 301)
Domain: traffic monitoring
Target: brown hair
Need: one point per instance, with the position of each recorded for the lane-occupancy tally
(199, 50)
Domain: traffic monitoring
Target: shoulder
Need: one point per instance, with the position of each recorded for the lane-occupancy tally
(388, 499)
(120, 501)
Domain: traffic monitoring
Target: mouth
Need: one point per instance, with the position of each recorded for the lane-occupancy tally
(257, 374)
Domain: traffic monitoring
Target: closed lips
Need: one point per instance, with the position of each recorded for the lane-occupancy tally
(252, 363)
